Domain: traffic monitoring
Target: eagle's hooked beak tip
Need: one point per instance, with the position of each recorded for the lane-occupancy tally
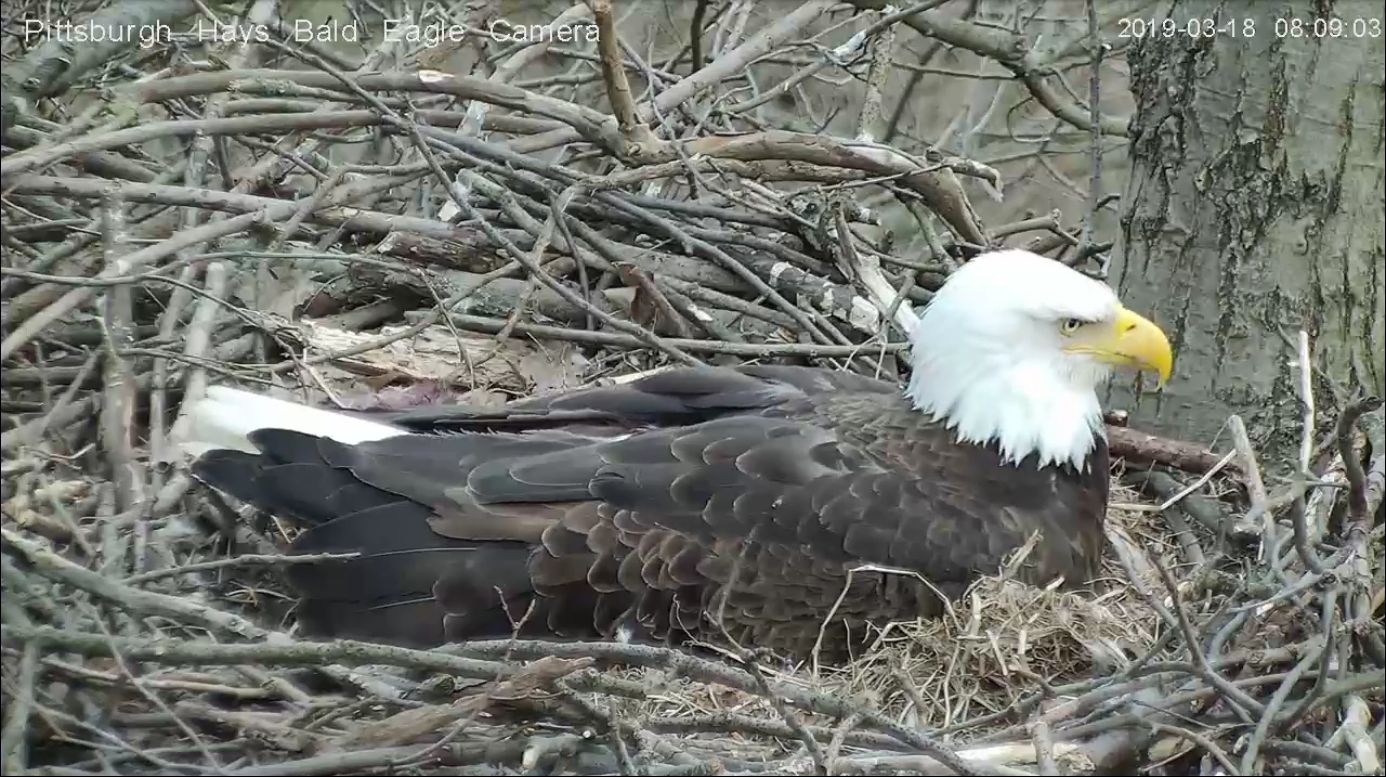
(1130, 340)
(1138, 342)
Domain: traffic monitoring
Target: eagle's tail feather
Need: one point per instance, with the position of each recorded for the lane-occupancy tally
(406, 585)
(225, 418)
(352, 491)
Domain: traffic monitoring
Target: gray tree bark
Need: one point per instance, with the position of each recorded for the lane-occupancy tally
(1254, 209)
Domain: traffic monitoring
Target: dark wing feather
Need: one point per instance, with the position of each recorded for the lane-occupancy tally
(732, 503)
(677, 396)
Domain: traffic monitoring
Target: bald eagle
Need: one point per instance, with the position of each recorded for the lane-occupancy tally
(768, 506)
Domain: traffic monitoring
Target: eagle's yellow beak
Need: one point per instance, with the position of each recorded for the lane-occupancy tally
(1131, 340)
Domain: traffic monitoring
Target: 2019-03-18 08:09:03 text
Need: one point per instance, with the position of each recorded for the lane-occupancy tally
(1292, 27)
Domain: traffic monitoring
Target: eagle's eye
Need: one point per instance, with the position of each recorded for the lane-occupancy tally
(1070, 325)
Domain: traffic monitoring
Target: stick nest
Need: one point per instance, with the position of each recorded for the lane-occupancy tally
(453, 255)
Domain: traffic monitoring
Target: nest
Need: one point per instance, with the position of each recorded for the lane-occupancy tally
(185, 669)
(146, 627)
(1002, 641)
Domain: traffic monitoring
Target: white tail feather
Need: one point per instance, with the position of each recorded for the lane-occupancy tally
(226, 416)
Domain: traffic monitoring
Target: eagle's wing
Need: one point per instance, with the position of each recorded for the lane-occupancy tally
(680, 395)
(458, 533)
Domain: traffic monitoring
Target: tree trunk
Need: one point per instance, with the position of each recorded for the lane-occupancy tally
(1254, 209)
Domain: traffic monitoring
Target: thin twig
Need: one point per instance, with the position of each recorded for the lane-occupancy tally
(1263, 725)
(245, 559)
(791, 719)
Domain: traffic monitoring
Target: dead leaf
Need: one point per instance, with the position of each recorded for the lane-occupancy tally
(432, 360)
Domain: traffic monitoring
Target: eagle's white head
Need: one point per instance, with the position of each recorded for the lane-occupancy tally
(1013, 349)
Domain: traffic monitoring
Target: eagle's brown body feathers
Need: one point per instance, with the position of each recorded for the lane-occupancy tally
(710, 503)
